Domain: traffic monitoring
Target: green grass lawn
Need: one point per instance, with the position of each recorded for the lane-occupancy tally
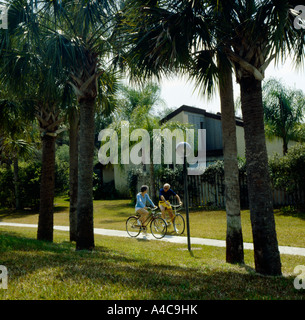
(112, 214)
(127, 268)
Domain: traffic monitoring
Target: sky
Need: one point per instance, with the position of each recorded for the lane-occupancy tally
(179, 91)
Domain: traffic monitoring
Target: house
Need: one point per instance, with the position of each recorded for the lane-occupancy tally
(201, 119)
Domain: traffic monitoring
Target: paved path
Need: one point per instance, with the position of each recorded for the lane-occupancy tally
(168, 238)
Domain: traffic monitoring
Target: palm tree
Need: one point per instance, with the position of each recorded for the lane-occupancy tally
(73, 119)
(51, 43)
(105, 105)
(255, 33)
(25, 71)
(283, 112)
(136, 106)
(178, 35)
(261, 31)
(49, 121)
(234, 238)
(205, 71)
(77, 37)
(131, 98)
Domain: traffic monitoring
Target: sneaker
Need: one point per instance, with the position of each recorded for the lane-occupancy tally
(144, 231)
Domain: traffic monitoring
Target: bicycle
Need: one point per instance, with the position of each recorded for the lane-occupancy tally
(178, 222)
(158, 225)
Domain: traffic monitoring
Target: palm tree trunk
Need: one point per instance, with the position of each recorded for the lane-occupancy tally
(266, 252)
(73, 173)
(85, 236)
(285, 146)
(16, 183)
(47, 185)
(152, 182)
(234, 238)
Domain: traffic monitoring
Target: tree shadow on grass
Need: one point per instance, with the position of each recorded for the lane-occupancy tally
(293, 213)
(109, 205)
(61, 209)
(118, 208)
(23, 213)
(15, 214)
(134, 277)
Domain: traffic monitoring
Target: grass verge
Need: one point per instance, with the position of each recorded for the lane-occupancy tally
(112, 214)
(128, 268)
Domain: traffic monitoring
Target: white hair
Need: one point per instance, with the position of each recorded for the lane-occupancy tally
(166, 185)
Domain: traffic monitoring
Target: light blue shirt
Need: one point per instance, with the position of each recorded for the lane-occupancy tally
(141, 201)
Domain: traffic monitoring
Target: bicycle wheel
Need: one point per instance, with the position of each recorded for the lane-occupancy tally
(158, 228)
(132, 226)
(179, 224)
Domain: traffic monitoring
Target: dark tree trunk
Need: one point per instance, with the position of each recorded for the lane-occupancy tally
(266, 253)
(285, 147)
(152, 182)
(16, 184)
(73, 173)
(47, 185)
(85, 235)
(234, 238)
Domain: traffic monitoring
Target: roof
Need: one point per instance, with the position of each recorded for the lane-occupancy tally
(185, 108)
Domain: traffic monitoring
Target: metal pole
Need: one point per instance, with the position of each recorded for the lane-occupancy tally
(186, 201)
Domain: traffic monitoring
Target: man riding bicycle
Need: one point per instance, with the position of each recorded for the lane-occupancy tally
(164, 204)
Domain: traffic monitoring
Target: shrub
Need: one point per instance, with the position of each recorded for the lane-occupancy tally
(7, 195)
(168, 175)
(62, 170)
(29, 184)
(61, 177)
(105, 191)
(133, 177)
(211, 172)
(287, 173)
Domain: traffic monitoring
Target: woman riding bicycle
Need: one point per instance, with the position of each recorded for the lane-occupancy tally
(142, 198)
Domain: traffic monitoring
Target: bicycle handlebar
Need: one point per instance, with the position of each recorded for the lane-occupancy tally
(152, 209)
(176, 205)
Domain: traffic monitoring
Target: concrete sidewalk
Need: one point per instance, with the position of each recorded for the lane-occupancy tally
(168, 238)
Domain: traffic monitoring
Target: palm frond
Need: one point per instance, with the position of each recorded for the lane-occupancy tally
(205, 72)
(164, 36)
(283, 109)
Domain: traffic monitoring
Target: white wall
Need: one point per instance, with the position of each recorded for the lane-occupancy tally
(273, 146)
